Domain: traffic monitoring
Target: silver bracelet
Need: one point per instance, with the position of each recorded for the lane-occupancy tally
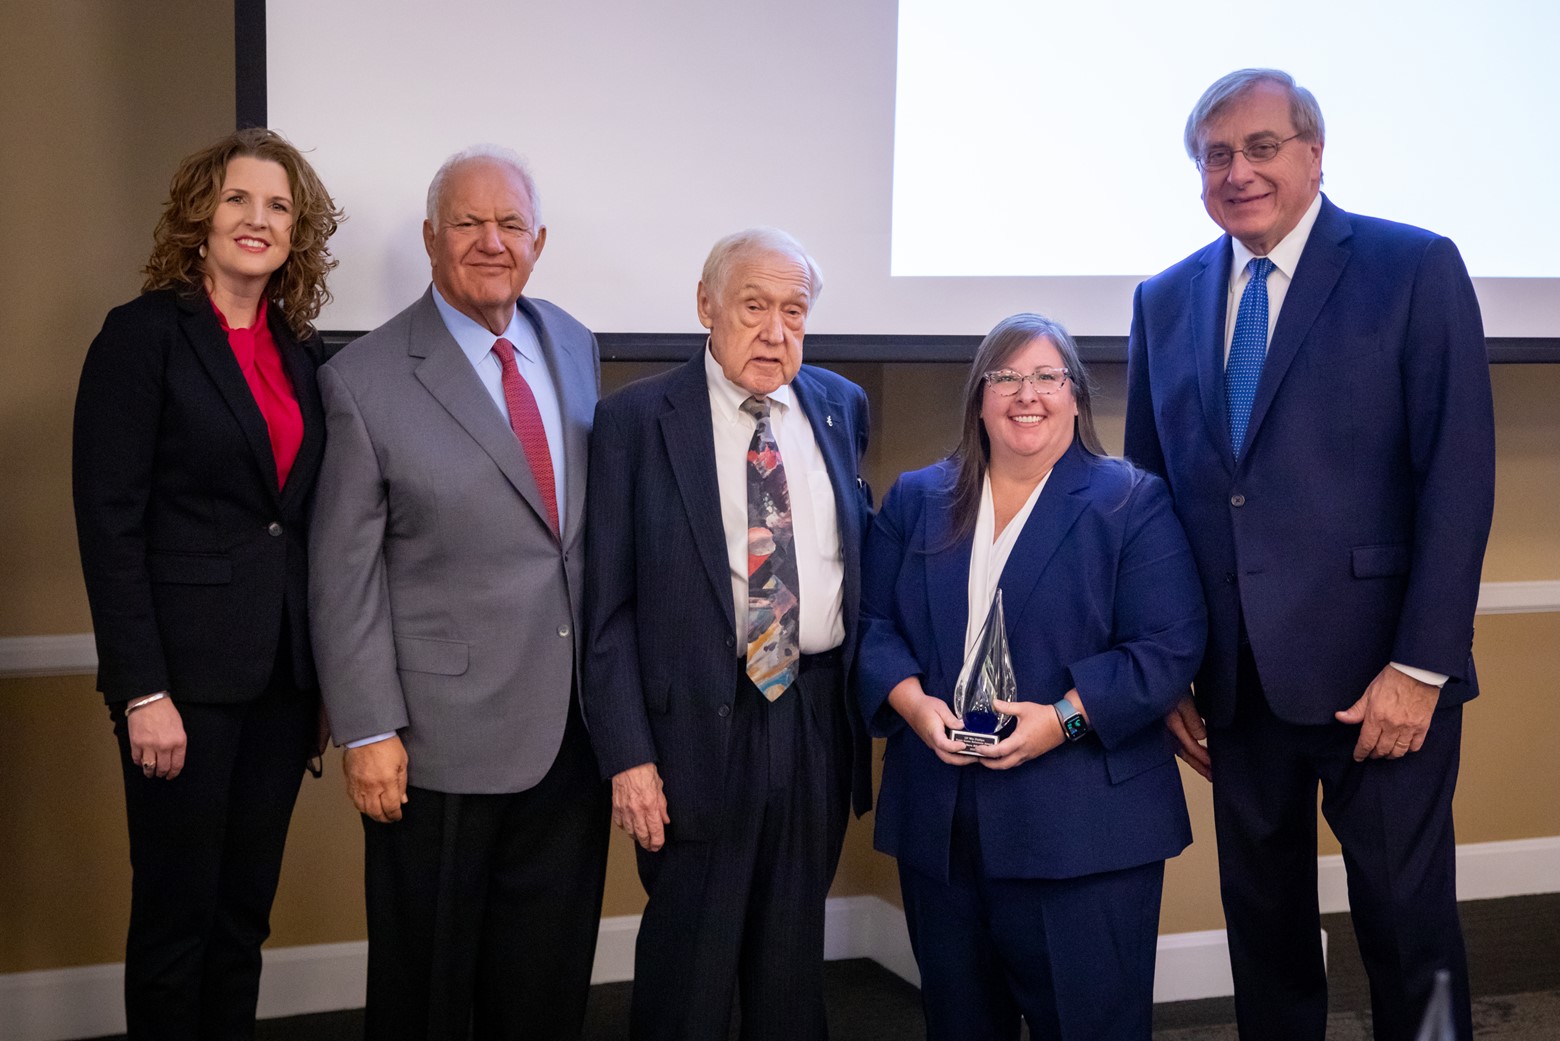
(144, 702)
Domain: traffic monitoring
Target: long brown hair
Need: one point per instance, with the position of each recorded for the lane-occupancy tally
(970, 458)
(298, 286)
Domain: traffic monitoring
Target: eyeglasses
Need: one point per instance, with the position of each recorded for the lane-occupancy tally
(1006, 382)
(1261, 152)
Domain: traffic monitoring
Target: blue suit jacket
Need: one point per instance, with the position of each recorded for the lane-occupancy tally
(1100, 594)
(662, 653)
(1352, 531)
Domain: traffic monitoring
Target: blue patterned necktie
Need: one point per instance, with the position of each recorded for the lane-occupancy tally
(1248, 349)
(773, 608)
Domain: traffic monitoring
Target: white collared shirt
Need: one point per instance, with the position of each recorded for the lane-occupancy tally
(989, 555)
(1285, 257)
(820, 560)
(476, 343)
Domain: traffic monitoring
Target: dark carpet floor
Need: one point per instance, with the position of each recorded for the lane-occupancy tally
(1514, 972)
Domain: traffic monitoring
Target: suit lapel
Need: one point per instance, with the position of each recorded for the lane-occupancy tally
(827, 418)
(200, 326)
(1321, 263)
(947, 568)
(565, 366)
(1055, 512)
(446, 373)
(686, 427)
(300, 364)
(1210, 289)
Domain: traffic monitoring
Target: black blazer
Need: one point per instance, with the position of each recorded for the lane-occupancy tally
(661, 652)
(193, 559)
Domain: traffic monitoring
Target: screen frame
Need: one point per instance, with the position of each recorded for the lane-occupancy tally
(249, 39)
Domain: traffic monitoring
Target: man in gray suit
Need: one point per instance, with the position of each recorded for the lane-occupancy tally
(446, 580)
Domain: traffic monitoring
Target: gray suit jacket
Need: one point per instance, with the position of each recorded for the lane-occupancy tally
(442, 605)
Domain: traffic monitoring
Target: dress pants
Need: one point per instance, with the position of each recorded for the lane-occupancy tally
(1393, 818)
(743, 913)
(483, 910)
(206, 853)
(1072, 957)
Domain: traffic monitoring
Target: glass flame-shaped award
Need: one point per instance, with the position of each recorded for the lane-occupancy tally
(987, 674)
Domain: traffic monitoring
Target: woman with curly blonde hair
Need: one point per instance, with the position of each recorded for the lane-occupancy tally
(198, 435)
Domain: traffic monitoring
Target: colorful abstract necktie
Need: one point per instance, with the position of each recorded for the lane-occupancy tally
(774, 612)
(526, 421)
(1248, 349)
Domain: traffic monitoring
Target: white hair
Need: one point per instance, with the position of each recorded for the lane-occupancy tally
(725, 253)
(492, 153)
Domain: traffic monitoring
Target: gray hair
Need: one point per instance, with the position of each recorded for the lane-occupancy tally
(1304, 112)
(725, 253)
(491, 153)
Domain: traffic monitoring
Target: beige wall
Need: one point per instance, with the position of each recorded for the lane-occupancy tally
(98, 100)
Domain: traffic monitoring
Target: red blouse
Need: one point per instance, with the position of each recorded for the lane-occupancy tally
(261, 362)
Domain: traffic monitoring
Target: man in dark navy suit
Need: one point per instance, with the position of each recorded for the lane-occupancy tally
(1314, 387)
(723, 564)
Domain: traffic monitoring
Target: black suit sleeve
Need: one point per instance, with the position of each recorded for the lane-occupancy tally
(118, 405)
(612, 695)
(1142, 436)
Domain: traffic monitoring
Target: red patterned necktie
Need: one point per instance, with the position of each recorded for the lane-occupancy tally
(526, 422)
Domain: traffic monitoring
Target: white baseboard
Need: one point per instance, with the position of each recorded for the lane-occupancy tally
(1485, 871)
(63, 1004)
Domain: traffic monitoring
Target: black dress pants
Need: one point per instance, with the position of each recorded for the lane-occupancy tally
(1393, 818)
(742, 915)
(206, 853)
(483, 910)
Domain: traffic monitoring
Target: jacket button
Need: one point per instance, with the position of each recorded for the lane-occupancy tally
(1237, 500)
(723, 711)
(273, 528)
(731, 641)
(1229, 578)
(563, 630)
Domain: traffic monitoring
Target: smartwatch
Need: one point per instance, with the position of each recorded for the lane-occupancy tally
(1074, 726)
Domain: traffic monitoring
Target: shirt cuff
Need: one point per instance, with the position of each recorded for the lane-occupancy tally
(1435, 679)
(360, 742)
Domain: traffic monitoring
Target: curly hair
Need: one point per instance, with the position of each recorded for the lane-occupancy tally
(298, 286)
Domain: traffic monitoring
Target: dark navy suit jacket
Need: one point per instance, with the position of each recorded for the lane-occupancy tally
(662, 653)
(1352, 530)
(1100, 594)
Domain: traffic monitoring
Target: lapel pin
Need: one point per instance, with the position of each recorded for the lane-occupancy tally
(829, 420)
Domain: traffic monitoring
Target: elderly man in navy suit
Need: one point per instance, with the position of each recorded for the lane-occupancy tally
(1314, 387)
(723, 563)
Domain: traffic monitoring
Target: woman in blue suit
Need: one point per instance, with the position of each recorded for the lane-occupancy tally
(1031, 874)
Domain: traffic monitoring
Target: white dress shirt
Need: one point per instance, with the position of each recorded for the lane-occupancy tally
(820, 559)
(989, 555)
(1286, 257)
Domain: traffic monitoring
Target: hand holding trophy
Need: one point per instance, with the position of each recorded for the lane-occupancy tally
(987, 675)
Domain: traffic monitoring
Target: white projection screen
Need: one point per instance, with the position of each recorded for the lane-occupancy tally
(948, 163)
